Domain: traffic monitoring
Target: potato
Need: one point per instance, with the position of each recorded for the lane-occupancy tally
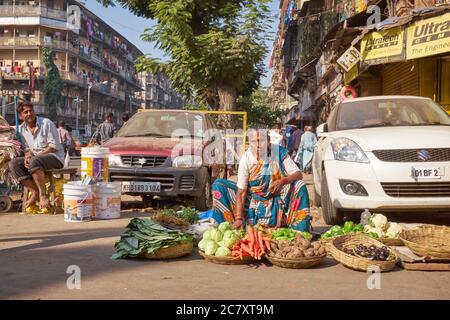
(290, 255)
(284, 243)
(286, 249)
(322, 250)
(309, 252)
(306, 244)
(316, 245)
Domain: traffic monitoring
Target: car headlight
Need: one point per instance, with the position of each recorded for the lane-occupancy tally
(115, 161)
(187, 161)
(347, 150)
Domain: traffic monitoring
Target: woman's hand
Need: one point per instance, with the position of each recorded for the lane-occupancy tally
(238, 223)
(276, 186)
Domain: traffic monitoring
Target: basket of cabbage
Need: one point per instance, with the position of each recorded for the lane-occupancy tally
(217, 243)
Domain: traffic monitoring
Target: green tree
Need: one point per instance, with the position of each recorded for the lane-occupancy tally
(258, 110)
(53, 85)
(213, 45)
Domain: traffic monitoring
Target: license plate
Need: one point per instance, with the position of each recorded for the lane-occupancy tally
(141, 187)
(427, 173)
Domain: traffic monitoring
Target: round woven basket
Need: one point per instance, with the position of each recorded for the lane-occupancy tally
(300, 263)
(172, 252)
(392, 242)
(433, 241)
(359, 263)
(226, 260)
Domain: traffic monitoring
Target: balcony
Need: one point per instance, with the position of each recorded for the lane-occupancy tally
(32, 11)
(70, 76)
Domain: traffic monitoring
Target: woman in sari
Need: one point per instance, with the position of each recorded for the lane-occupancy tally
(306, 150)
(269, 190)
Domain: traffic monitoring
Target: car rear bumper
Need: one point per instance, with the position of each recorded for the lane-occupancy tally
(379, 179)
(174, 181)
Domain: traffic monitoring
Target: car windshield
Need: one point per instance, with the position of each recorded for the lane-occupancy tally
(163, 124)
(390, 112)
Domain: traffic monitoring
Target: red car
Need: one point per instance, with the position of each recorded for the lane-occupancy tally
(168, 153)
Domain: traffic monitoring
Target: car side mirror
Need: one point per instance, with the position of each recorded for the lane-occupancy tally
(322, 130)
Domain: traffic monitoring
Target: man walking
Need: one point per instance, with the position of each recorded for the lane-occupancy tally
(64, 136)
(43, 151)
(105, 131)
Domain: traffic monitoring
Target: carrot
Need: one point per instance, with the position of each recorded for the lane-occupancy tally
(246, 249)
(240, 255)
(267, 245)
(260, 239)
(250, 234)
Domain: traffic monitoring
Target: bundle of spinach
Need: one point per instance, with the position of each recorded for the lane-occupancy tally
(186, 216)
(147, 236)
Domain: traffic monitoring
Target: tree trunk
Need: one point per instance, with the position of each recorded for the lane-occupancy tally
(227, 102)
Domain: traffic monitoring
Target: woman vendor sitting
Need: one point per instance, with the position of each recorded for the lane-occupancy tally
(269, 189)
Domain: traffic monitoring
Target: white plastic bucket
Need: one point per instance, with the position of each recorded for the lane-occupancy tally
(94, 163)
(78, 202)
(107, 200)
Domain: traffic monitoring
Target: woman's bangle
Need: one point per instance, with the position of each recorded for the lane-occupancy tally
(238, 218)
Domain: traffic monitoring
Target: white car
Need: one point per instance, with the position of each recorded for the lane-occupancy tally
(383, 153)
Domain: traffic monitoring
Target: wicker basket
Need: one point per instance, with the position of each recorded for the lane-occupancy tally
(432, 241)
(359, 263)
(392, 242)
(171, 252)
(226, 260)
(300, 263)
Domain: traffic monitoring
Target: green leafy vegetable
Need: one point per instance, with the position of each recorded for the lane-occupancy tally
(147, 236)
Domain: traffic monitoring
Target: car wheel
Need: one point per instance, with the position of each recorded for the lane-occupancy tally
(204, 201)
(316, 201)
(5, 204)
(330, 213)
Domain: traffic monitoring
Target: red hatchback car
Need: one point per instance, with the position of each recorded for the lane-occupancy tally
(168, 153)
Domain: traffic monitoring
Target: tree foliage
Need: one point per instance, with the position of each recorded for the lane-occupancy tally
(53, 85)
(213, 45)
(258, 110)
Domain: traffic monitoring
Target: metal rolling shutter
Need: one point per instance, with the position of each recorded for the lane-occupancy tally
(401, 79)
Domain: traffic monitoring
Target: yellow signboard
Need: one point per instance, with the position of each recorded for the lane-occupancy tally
(382, 44)
(428, 37)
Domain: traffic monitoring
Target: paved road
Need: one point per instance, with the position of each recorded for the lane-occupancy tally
(36, 250)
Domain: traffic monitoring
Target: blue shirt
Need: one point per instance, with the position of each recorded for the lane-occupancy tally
(45, 135)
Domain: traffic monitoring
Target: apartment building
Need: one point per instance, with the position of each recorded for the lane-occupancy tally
(95, 61)
(159, 93)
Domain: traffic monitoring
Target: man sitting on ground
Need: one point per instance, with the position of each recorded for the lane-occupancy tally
(43, 151)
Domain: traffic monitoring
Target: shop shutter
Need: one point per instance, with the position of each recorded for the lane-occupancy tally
(401, 79)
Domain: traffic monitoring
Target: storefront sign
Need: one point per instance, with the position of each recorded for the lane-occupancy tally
(349, 59)
(382, 45)
(351, 75)
(428, 37)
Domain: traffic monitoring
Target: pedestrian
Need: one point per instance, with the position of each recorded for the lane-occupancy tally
(296, 136)
(105, 130)
(64, 137)
(275, 135)
(125, 118)
(288, 139)
(43, 151)
(306, 150)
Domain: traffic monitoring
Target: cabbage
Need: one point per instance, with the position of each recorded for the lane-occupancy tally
(224, 226)
(216, 235)
(207, 234)
(223, 252)
(229, 239)
(211, 248)
(220, 244)
(202, 244)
